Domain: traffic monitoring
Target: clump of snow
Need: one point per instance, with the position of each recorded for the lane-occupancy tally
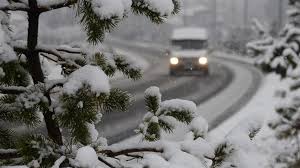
(107, 9)
(100, 143)
(92, 76)
(164, 7)
(154, 119)
(199, 126)
(178, 104)
(7, 53)
(87, 157)
(153, 91)
(185, 160)
(155, 161)
(199, 148)
(80, 104)
(93, 132)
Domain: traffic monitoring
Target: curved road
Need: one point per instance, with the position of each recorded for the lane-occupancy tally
(226, 75)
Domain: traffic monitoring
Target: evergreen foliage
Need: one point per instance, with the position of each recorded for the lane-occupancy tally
(159, 117)
(60, 115)
(282, 56)
(30, 99)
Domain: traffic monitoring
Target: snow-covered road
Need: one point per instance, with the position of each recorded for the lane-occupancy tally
(230, 85)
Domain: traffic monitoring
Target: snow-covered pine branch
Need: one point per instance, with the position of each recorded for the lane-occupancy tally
(281, 55)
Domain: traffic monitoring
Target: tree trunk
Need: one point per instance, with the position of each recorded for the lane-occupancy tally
(36, 69)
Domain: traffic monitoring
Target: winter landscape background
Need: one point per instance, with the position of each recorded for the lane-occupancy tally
(100, 58)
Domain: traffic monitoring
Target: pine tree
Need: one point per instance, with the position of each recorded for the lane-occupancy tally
(27, 94)
(282, 56)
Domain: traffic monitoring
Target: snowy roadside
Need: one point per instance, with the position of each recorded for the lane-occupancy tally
(261, 109)
(243, 82)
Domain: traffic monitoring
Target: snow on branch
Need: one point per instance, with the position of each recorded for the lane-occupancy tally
(14, 7)
(69, 49)
(46, 5)
(12, 89)
(259, 27)
(52, 50)
(7, 53)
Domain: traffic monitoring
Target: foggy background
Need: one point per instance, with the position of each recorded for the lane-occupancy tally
(228, 21)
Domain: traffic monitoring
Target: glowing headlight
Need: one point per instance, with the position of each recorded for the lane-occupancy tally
(174, 61)
(203, 61)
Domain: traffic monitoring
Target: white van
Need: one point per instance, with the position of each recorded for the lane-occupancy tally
(188, 52)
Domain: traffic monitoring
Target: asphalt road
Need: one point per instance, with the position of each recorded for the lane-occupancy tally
(117, 126)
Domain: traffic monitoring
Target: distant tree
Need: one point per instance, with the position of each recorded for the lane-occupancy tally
(237, 39)
(282, 56)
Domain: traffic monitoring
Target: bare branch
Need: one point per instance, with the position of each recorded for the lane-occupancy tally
(49, 58)
(111, 153)
(12, 89)
(14, 7)
(69, 50)
(57, 5)
(105, 162)
(9, 154)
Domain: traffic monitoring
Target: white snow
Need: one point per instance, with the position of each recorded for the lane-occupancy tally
(184, 160)
(90, 75)
(178, 104)
(164, 7)
(153, 91)
(199, 126)
(93, 132)
(48, 3)
(154, 119)
(190, 33)
(155, 161)
(87, 157)
(199, 148)
(259, 109)
(107, 9)
(80, 104)
(7, 53)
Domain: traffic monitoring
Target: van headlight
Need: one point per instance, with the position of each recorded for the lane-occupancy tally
(203, 60)
(174, 60)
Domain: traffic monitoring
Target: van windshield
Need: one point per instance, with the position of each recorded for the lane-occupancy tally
(189, 44)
